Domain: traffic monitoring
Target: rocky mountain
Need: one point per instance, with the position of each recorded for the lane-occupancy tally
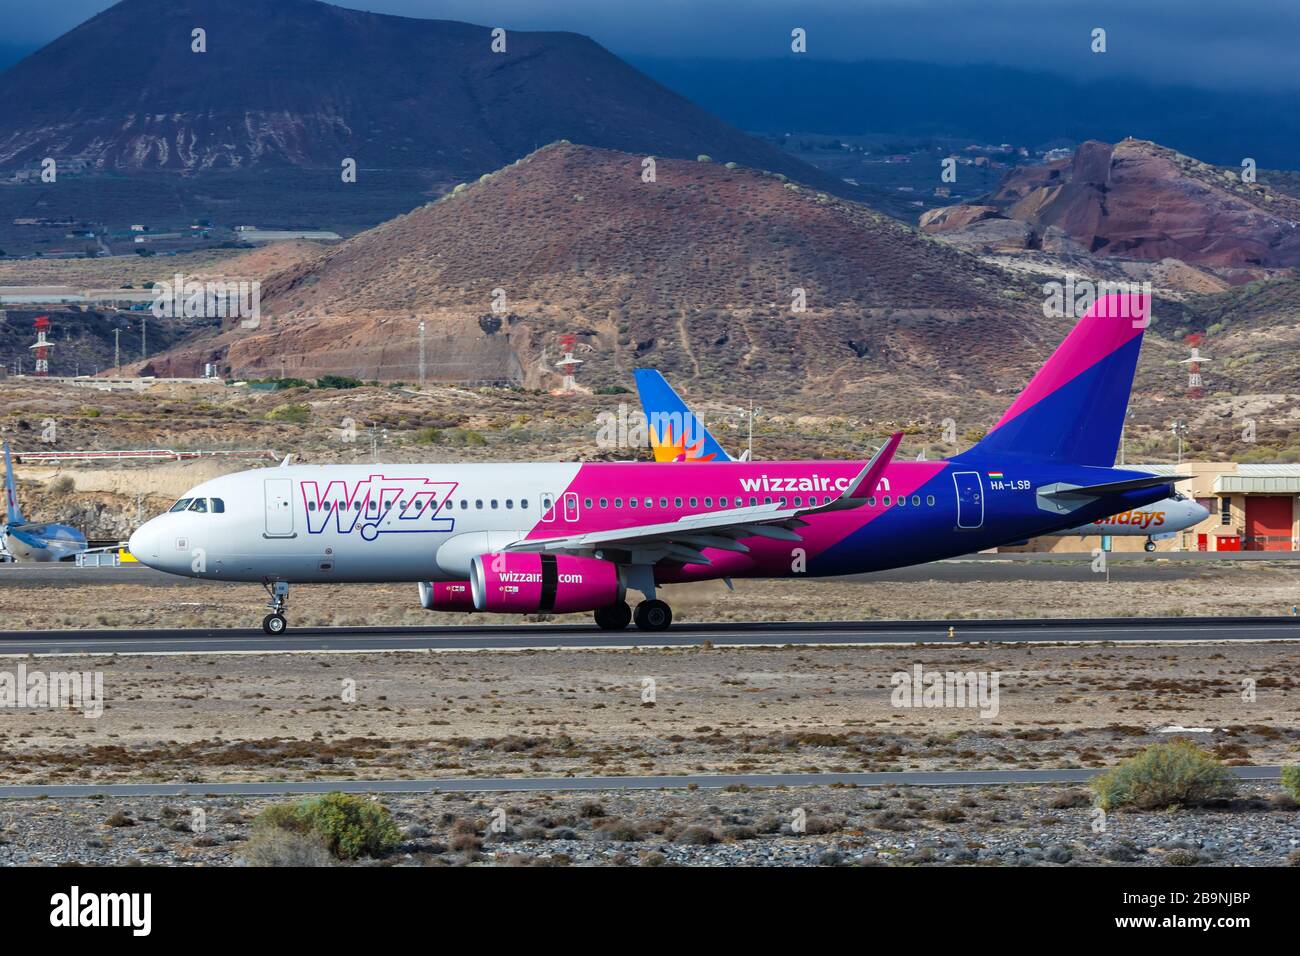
(701, 272)
(303, 84)
(1133, 200)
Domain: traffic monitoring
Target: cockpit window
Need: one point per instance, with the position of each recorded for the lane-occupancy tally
(182, 504)
(200, 505)
(218, 506)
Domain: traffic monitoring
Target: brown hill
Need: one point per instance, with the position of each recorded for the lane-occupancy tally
(694, 273)
(1134, 200)
(304, 84)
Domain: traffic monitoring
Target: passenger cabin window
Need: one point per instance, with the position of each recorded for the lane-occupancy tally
(523, 503)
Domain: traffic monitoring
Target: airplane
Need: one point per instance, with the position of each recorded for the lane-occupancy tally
(677, 434)
(576, 537)
(1173, 514)
(35, 542)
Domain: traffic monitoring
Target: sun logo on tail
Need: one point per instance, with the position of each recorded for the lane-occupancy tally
(669, 449)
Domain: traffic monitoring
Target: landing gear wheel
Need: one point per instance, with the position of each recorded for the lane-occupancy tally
(653, 616)
(274, 623)
(613, 617)
(1149, 546)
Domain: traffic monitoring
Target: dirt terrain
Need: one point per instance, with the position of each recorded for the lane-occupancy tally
(205, 717)
(905, 826)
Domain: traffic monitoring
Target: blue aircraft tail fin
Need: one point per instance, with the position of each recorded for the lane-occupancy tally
(676, 434)
(13, 514)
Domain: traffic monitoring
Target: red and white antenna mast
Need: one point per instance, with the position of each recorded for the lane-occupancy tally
(42, 346)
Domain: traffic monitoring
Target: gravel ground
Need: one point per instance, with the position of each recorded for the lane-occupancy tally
(1024, 826)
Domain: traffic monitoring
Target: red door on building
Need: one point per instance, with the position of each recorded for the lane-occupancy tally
(1268, 523)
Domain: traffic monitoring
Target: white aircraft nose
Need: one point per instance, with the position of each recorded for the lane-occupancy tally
(143, 544)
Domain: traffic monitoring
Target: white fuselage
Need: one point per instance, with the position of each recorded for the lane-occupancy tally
(353, 522)
(1157, 520)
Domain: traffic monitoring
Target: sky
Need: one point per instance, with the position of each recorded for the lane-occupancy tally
(1219, 44)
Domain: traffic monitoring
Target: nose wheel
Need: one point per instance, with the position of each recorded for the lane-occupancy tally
(1150, 545)
(653, 615)
(275, 623)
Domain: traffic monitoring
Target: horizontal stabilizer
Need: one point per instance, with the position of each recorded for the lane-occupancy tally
(1110, 487)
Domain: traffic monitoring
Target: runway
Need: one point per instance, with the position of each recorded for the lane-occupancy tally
(1038, 566)
(906, 778)
(569, 636)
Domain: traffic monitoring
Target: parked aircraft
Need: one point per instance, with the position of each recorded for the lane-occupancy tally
(677, 434)
(547, 537)
(29, 541)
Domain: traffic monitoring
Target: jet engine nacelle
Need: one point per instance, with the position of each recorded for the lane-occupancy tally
(446, 596)
(519, 583)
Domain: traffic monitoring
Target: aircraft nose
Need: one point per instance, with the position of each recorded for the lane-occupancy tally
(143, 543)
(1200, 512)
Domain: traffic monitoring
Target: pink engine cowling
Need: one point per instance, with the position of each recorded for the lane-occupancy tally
(446, 596)
(518, 583)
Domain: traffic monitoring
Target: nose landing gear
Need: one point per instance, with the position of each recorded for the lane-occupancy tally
(274, 623)
(1149, 546)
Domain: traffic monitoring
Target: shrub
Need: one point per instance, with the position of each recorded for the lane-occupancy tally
(63, 485)
(297, 414)
(347, 825)
(1163, 775)
(337, 381)
(1291, 781)
(276, 847)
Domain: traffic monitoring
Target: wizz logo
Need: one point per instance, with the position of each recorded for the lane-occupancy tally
(378, 505)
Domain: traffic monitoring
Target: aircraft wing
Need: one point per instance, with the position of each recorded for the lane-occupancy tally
(686, 538)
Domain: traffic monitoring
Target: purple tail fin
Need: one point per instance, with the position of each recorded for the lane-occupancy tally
(1073, 409)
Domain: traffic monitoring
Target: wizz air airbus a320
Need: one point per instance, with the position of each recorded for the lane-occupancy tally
(542, 537)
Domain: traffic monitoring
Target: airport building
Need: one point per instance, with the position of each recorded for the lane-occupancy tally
(1252, 508)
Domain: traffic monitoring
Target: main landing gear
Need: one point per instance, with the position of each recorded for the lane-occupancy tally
(613, 617)
(650, 615)
(274, 623)
(653, 615)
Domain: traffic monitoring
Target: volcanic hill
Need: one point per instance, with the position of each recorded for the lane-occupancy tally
(697, 272)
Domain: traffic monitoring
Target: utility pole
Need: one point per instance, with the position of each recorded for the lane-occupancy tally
(117, 352)
(753, 412)
(144, 339)
(422, 353)
(1179, 428)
